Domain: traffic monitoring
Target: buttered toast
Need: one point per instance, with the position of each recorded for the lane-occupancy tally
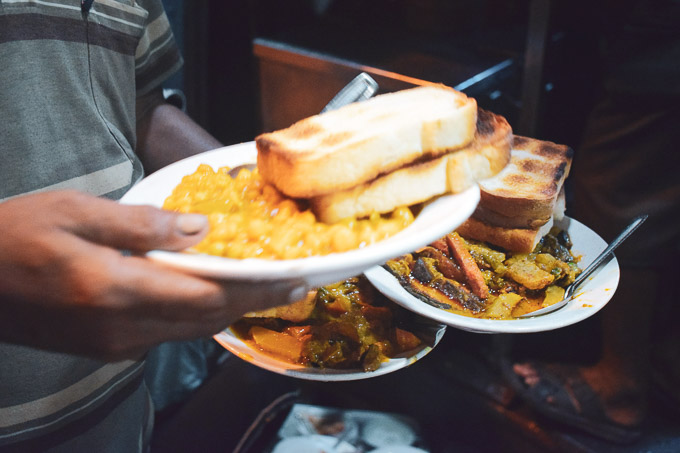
(524, 193)
(518, 240)
(355, 144)
(454, 172)
(518, 206)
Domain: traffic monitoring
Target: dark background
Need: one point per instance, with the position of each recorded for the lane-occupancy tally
(435, 40)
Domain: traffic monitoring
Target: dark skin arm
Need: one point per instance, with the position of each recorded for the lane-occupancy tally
(165, 134)
(64, 285)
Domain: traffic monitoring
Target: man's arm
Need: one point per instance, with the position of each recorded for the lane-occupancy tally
(64, 285)
(165, 134)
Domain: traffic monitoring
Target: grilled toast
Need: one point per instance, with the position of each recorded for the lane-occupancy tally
(524, 193)
(517, 240)
(355, 144)
(453, 172)
(518, 206)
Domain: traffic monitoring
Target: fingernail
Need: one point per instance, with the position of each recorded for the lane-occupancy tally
(189, 224)
(297, 294)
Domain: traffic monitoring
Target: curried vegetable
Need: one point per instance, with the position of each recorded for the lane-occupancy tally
(487, 282)
(351, 326)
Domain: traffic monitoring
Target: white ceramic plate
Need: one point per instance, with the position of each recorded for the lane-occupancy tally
(592, 296)
(428, 331)
(436, 219)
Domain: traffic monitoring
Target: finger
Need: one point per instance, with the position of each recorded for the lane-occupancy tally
(159, 292)
(135, 228)
(172, 295)
(247, 296)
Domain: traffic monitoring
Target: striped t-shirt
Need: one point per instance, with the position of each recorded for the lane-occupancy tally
(68, 86)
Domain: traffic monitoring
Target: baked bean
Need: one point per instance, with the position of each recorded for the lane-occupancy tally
(252, 219)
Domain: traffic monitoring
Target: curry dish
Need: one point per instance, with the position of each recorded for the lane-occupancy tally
(349, 325)
(251, 219)
(474, 279)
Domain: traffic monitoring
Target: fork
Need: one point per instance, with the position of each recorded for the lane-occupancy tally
(601, 258)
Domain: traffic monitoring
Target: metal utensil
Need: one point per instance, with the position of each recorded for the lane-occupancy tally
(234, 171)
(599, 261)
(358, 89)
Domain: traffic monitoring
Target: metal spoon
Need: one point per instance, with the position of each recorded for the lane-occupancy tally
(601, 259)
(358, 89)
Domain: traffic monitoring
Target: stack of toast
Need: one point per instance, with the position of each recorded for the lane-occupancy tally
(397, 149)
(404, 148)
(519, 205)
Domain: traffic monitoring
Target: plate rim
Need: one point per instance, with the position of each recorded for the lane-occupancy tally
(377, 274)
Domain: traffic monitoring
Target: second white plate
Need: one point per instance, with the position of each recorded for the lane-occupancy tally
(590, 298)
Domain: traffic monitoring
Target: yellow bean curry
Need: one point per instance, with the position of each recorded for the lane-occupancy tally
(251, 219)
(475, 279)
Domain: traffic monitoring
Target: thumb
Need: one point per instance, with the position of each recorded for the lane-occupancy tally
(135, 228)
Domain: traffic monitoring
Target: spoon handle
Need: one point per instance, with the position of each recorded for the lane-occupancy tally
(637, 221)
(360, 88)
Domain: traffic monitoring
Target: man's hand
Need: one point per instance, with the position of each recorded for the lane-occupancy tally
(65, 285)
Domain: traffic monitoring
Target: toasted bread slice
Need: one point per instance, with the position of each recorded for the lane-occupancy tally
(493, 218)
(343, 148)
(452, 173)
(517, 240)
(524, 193)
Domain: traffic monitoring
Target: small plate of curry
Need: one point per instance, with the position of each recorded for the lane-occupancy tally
(341, 332)
(457, 305)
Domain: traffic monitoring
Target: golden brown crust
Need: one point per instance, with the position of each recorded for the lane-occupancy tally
(452, 173)
(517, 240)
(357, 143)
(525, 192)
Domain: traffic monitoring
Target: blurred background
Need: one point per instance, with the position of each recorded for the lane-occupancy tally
(256, 65)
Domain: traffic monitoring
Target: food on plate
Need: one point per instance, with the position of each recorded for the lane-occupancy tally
(519, 205)
(251, 219)
(477, 279)
(347, 178)
(507, 259)
(350, 325)
(356, 143)
(453, 172)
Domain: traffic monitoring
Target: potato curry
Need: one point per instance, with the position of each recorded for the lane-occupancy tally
(345, 325)
(475, 279)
